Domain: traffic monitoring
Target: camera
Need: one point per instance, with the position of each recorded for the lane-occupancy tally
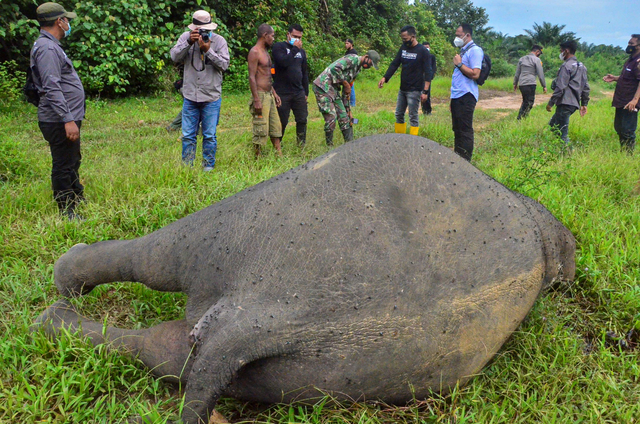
(204, 33)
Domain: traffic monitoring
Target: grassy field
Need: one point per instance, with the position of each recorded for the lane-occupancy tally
(575, 358)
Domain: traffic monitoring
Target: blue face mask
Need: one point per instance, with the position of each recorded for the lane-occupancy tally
(68, 31)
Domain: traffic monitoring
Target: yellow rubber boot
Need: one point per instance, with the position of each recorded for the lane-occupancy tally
(414, 130)
(401, 128)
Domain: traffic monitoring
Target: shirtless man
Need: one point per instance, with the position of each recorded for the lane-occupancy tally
(266, 122)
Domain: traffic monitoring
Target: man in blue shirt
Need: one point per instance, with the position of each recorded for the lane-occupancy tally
(464, 89)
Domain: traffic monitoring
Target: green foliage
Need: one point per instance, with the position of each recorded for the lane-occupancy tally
(376, 20)
(450, 14)
(548, 34)
(12, 80)
(17, 31)
(13, 161)
(119, 47)
(501, 68)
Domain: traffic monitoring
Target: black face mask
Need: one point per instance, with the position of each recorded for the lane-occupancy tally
(408, 43)
(630, 49)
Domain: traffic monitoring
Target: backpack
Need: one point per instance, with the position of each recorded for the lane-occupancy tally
(485, 70)
(30, 90)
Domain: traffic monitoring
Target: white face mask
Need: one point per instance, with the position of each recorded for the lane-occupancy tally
(458, 42)
(561, 56)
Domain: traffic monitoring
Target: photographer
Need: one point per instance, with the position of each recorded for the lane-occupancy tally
(205, 56)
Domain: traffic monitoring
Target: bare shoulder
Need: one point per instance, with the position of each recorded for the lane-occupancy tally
(254, 52)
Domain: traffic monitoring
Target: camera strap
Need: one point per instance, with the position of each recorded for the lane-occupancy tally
(202, 58)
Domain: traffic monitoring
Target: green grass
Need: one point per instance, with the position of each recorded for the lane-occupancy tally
(560, 366)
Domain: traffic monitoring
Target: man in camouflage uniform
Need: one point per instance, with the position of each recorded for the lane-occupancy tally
(326, 87)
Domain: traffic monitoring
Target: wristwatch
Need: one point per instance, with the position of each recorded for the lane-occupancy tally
(425, 91)
(459, 65)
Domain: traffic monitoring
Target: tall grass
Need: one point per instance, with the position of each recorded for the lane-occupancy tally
(574, 359)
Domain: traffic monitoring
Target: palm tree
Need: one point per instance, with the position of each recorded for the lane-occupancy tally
(548, 34)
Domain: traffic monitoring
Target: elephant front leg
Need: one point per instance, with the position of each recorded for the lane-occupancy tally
(165, 348)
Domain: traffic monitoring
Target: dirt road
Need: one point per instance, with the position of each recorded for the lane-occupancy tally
(493, 99)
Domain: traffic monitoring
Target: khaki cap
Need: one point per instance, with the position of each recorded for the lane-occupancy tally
(51, 11)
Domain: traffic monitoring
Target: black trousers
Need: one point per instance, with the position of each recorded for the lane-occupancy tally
(66, 158)
(626, 124)
(528, 98)
(426, 105)
(297, 103)
(462, 110)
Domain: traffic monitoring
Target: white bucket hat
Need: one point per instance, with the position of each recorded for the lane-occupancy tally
(202, 19)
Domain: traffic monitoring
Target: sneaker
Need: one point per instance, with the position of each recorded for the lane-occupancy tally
(207, 168)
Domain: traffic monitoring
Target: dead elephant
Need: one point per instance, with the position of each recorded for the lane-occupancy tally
(385, 264)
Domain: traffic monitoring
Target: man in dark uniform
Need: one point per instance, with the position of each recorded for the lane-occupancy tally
(626, 98)
(291, 81)
(426, 105)
(62, 105)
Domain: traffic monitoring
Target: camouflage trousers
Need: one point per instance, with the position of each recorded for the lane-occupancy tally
(331, 107)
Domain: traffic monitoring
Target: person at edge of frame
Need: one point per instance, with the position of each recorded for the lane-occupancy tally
(627, 96)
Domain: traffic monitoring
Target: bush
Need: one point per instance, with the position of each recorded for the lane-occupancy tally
(13, 161)
(501, 68)
(11, 81)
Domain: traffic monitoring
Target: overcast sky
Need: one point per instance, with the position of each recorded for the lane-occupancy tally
(594, 21)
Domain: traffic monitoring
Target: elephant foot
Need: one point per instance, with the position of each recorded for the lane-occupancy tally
(71, 279)
(59, 315)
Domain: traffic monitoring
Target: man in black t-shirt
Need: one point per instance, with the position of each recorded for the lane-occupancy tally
(414, 87)
(291, 81)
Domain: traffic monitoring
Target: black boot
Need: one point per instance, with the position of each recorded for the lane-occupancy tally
(301, 134)
(328, 135)
(348, 134)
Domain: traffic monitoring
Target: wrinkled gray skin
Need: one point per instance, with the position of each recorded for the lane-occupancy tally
(386, 264)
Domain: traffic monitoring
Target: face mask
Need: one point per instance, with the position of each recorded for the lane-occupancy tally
(408, 43)
(561, 56)
(458, 42)
(428, 49)
(630, 49)
(67, 32)
(292, 41)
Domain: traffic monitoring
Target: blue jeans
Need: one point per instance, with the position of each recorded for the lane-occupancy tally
(352, 101)
(194, 113)
(559, 122)
(412, 100)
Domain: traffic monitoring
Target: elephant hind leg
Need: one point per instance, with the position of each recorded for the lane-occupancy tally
(164, 348)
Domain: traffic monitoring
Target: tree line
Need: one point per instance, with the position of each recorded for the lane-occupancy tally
(122, 48)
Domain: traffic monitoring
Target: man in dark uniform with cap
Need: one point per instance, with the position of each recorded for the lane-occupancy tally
(62, 105)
